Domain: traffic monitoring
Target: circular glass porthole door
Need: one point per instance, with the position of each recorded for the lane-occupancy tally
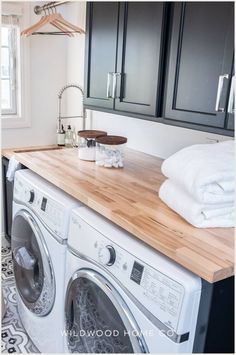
(31, 264)
(97, 318)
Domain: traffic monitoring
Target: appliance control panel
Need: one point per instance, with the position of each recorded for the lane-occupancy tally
(157, 292)
(160, 293)
(50, 211)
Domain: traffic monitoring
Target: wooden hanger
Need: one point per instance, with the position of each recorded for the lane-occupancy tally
(36, 26)
(56, 20)
(61, 19)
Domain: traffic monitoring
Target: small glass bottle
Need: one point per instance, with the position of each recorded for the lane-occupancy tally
(69, 137)
(61, 136)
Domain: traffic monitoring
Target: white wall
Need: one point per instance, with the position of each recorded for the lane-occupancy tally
(76, 13)
(149, 137)
(47, 74)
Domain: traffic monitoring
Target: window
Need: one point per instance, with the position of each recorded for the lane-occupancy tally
(14, 66)
(10, 65)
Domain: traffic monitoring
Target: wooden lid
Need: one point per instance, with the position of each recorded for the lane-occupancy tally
(111, 140)
(91, 133)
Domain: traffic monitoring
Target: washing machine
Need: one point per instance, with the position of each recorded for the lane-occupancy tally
(39, 233)
(122, 296)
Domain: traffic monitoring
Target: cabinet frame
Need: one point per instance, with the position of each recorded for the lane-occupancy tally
(160, 117)
(170, 110)
(153, 109)
(102, 103)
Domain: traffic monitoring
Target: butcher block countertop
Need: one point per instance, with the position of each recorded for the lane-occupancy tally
(129, 198)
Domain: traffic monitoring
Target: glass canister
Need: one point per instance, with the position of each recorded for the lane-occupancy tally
(110, 151)
(87, 144)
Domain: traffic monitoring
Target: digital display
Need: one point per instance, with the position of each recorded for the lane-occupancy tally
(44, 204)
(137, 273)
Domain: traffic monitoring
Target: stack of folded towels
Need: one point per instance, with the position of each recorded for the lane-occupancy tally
(200, 184)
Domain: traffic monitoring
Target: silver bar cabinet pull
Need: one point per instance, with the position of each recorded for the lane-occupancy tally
(219, 92)
(231, 108)
(109, 76)
(114, 86)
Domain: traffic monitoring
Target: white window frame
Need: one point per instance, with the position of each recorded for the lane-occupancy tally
(22, 118)
(13, 49)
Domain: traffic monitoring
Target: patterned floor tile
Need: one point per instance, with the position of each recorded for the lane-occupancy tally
(14, 336)
(7, 270)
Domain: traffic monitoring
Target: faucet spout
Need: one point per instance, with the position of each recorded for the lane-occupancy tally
(59, 105)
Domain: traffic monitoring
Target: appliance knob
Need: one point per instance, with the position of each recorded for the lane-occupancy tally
(107, 255)
(31, 196)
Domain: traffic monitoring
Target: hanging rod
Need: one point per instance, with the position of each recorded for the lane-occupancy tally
(39, 9)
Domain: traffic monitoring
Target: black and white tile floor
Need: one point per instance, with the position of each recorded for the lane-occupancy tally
(14, 337)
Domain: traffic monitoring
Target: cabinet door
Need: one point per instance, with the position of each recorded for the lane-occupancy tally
(231, 104)
(139, 57)
(102, 25)
(201, 50)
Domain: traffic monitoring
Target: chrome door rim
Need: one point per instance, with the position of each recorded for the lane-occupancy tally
(137, 341)
(43, 305)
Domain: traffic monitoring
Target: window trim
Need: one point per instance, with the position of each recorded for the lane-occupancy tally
(22, 119)
(15, 95)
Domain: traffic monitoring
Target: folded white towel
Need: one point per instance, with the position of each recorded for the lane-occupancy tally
(199, 215)
(206, 171)
(13, 166)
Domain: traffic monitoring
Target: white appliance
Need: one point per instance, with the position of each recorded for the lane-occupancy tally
(41, 215)
(123, 296)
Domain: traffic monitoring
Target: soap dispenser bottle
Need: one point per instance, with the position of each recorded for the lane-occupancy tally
(69, 137)
(61, 136)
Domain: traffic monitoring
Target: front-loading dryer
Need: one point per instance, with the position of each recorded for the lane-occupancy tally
(39, 232)
(123, 296)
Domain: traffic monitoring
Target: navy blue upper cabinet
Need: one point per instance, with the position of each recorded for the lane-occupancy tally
(162, 61)
(101, 47)
(199, 71)
(231, 104)
(139, 57)
(124, 56)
